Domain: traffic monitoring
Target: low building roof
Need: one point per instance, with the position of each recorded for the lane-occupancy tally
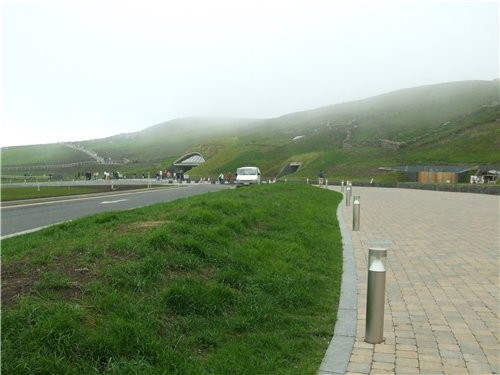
(431, 168)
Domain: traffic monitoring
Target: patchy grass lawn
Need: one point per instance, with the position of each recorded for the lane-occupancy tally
(243, 281)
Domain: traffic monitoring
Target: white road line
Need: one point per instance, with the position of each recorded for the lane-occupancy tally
(31, 230)
(90, 196)
(115, 201)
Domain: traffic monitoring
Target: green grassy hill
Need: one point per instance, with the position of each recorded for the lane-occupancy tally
(50, 154)
(441, 124)
(451, 123)
(168, 140)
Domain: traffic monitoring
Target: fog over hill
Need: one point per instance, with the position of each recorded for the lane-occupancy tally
(327, 136)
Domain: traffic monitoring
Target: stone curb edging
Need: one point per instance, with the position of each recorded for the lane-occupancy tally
(339, 350)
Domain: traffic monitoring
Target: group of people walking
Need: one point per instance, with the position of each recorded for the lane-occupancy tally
(166, 174)
(223, 180)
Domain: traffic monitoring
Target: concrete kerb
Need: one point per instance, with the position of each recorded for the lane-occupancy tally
(339, 350)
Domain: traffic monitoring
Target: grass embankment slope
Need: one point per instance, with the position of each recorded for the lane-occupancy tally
(345, 140)
(50, 154)
(244, 281)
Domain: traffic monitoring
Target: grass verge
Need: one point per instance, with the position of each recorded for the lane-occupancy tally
(33, 192)
(243, 281)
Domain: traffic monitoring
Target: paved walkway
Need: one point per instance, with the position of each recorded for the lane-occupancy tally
(442, 286)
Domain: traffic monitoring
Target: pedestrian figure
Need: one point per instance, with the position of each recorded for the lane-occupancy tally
(320, 177)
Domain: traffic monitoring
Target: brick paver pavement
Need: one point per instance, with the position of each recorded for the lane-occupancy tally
(442, 285)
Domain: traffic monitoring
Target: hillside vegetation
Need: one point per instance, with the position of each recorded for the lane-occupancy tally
(452, 123)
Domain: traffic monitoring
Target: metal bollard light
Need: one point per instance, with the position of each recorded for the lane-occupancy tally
(356, 211)
(375, 297)
(348, 196)
(342, 186)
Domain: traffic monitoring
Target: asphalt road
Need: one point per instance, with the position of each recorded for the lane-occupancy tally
(26, 217)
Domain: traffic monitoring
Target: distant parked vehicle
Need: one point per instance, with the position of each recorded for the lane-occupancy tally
(247, 176)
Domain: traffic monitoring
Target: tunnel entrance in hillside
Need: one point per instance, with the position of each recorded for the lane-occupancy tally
(187, 162)
(290, 168)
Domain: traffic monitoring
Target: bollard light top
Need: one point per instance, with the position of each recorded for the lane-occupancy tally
(382, 244)
(378, 251)
(377, 256)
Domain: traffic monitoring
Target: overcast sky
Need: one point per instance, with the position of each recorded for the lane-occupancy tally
(82, 69)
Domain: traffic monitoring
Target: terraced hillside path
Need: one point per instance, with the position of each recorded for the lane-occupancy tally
(92, 154)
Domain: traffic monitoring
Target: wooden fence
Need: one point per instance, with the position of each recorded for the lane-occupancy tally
(426, 177)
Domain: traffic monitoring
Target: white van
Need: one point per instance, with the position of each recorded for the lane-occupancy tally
(247, 176)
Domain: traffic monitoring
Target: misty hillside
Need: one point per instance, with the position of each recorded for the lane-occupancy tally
(167, 140)
(451, 123)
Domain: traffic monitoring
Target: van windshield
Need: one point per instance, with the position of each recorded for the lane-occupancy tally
(246, 171)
